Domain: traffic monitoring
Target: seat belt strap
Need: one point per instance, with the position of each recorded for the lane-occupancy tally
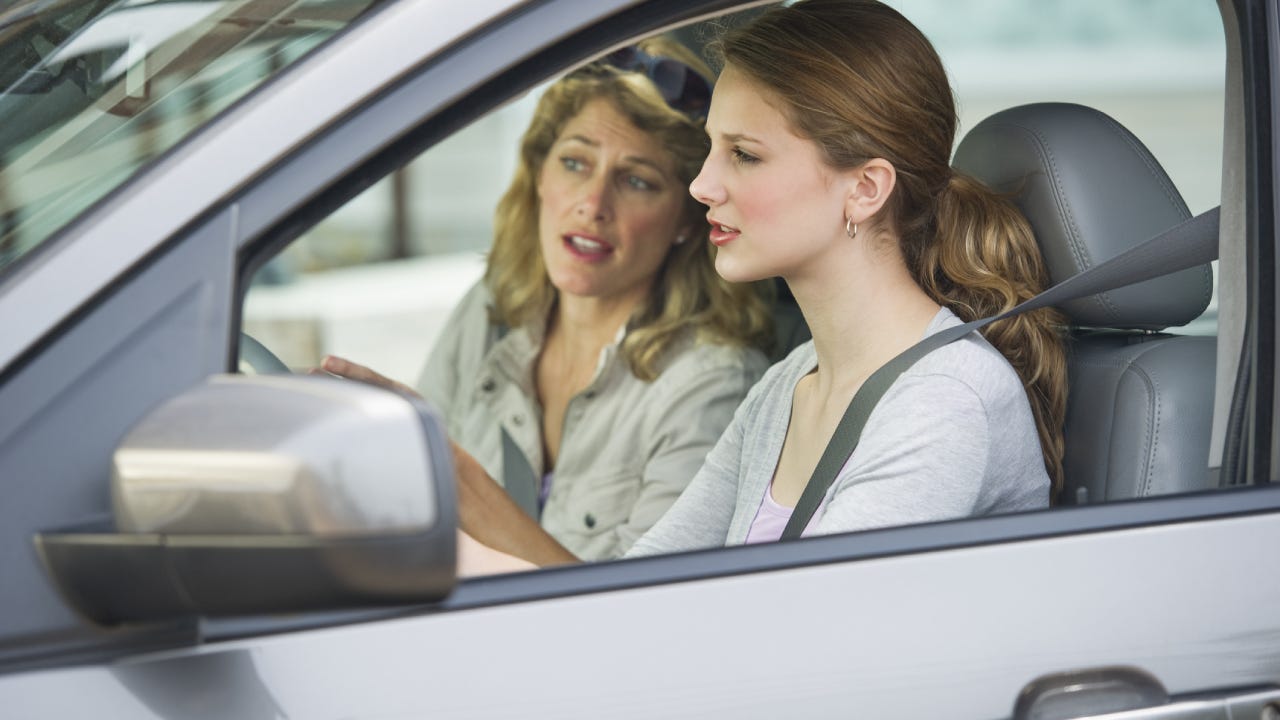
(518, 477)
(1186, 245)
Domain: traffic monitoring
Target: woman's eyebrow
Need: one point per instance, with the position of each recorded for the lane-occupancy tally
(637, 160)
(740, 137)
(582, 139)
(632, 159)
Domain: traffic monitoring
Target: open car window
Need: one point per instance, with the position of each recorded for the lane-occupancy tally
(376, 279)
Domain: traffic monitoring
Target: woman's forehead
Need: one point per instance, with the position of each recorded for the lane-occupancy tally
(601, 125)
(742, 108)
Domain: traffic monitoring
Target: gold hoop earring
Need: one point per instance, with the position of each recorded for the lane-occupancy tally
(850, 228)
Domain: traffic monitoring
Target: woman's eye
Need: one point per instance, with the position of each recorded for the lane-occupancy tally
(639, 183)
(742, 157)
(572, 164)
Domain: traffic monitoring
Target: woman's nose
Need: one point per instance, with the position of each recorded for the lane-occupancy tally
(706, 188)
(595, 202)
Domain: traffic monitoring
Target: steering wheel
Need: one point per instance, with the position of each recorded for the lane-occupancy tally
(256, 359)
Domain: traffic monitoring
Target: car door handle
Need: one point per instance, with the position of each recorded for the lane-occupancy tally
(1128, 693)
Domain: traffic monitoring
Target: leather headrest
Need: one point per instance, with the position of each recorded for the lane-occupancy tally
(1090, 190)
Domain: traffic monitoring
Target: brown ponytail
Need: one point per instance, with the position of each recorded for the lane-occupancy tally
(984, 261)
(862, 82)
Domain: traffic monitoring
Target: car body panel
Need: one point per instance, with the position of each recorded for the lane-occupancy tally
(883, 638)
(158, 335)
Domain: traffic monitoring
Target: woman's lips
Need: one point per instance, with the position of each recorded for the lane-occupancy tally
(722, 235)
(587, 247)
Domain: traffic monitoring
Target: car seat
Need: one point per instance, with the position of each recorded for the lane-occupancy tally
(1140, 401)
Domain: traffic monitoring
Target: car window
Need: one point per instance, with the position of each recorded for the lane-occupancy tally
(376, 279)
(91, 90)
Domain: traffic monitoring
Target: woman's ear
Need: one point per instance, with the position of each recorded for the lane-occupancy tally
(870, 185)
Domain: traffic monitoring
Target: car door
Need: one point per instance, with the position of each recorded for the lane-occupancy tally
(957, 618)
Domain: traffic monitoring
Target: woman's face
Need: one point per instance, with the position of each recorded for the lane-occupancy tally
(611, 205)
(774, 205)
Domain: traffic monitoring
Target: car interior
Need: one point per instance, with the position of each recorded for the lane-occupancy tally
(1141, 398)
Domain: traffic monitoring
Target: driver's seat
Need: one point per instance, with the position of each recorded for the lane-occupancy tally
(1140, 401)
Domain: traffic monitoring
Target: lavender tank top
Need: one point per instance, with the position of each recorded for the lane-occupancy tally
(771, 519)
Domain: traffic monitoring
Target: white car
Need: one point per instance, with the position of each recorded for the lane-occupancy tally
(178, 540)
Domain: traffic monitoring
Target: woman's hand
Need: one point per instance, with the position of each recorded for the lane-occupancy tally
(343, 367)
(475, 558)
(486, 512)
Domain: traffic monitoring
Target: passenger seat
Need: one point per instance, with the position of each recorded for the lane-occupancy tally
(1140, 400)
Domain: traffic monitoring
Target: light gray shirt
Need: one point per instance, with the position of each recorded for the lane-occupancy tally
(952, 437)
(628, 447)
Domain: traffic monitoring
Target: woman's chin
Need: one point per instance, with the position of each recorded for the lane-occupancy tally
(737, 272)
(575, 285)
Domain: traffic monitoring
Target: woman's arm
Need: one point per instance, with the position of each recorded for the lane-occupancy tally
(458, 352)
(476, 558)
(487, 513)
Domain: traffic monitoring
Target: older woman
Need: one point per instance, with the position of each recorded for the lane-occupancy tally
(600, 358)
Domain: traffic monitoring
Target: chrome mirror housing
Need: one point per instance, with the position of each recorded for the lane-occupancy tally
(270, 493)
(274, 455)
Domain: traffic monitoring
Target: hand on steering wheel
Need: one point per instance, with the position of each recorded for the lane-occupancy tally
(343, 367)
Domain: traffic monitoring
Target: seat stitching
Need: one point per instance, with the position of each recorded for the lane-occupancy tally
(1130, 366)
(1157, 173)
(1065, 215)
(1153, 426)
(1162, 178)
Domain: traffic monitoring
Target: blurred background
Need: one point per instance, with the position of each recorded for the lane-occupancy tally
(376, 280)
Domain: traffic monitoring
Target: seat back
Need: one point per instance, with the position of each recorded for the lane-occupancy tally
(1140, 401)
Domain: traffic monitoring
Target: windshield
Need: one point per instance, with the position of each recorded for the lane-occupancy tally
(91, 90)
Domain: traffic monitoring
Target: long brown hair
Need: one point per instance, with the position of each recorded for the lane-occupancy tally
(859, 80)
(687, 293)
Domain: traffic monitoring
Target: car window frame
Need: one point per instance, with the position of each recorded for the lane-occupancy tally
(602, 577)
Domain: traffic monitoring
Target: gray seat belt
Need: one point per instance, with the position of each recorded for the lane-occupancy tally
(518, 477)
(1190, 243)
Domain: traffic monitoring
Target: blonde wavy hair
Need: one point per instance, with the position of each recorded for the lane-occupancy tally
(862, 82)
(687, 293)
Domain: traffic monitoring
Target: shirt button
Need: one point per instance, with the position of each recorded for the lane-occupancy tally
(488, 385)
(517, 420)
(589, 394)
(589, 521)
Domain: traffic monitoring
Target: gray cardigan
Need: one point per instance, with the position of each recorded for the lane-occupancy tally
(953, 436)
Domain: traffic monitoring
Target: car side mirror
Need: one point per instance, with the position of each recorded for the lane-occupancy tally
(268, 494)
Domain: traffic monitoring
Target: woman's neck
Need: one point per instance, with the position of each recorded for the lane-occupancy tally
(578, 329)
(863, 308)
(582, 326)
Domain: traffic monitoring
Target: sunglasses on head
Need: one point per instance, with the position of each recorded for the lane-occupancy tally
(681, 86)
